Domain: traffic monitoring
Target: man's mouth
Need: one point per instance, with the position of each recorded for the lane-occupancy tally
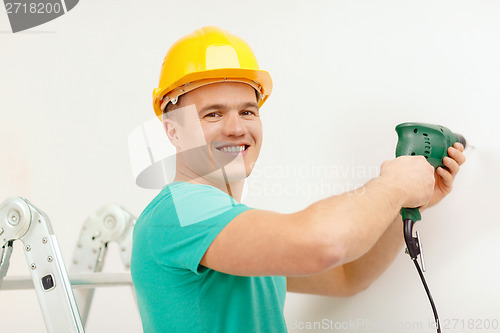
(233, 148)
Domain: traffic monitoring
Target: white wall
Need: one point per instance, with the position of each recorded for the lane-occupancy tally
(345, 74)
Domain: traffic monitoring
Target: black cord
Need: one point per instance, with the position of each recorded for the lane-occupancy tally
(436, 318)
(414, 251)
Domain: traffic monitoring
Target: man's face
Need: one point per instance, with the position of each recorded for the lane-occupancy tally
(223, 117)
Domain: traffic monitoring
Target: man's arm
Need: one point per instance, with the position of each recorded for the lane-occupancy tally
(330, 232)
(350, 278)
(353, 277)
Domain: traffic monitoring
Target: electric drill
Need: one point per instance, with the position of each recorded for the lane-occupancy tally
(431, 141)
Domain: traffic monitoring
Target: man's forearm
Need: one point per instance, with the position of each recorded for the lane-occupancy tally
(354, 221)
(363, 271)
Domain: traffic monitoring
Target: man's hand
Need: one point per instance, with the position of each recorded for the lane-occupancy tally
(411, 178)
(445, 177)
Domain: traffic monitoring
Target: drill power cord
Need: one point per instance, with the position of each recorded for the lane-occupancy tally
(414, 251)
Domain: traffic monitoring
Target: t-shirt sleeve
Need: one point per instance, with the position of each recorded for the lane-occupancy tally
(185, 223)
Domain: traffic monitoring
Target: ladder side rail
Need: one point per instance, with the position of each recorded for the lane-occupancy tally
(44, 258)
(109, 223)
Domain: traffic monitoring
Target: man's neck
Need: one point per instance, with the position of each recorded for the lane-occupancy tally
(232, 187)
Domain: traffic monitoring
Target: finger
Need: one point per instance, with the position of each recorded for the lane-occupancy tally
(459, 146)
(446, 176)
(457, 155)
(452, 165)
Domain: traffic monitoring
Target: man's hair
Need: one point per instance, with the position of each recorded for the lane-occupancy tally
(171, 107)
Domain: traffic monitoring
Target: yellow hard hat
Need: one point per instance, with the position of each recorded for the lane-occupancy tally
(206, 56)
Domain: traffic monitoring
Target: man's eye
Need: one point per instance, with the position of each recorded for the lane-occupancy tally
(212, 115)
(247, 113)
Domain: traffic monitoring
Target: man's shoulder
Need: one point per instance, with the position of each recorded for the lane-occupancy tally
(184, 195)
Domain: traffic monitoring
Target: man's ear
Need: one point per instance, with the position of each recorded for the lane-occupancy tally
(171, 129)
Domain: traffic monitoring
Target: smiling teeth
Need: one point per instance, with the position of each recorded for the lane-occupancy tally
(233, 149)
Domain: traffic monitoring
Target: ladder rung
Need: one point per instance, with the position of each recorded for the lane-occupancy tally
(77, 280)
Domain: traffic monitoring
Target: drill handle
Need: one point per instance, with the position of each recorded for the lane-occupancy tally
(411, 214)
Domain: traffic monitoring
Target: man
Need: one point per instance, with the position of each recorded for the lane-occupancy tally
(202, 261)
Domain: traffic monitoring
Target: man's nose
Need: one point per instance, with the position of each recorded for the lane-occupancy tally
(234, 125)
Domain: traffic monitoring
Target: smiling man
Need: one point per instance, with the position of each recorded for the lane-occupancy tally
(204, 262)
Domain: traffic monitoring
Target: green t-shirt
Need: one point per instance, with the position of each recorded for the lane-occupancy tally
(174, 292)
